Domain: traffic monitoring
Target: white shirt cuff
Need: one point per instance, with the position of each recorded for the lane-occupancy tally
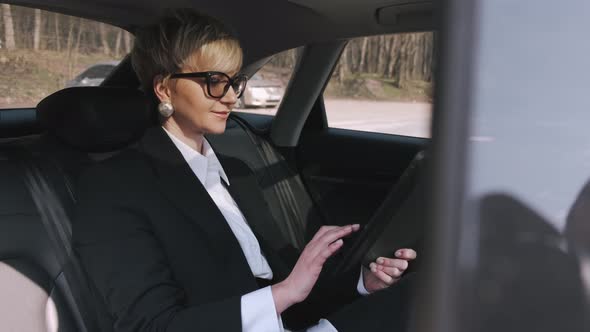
(259, 312)
(360, 286)
(322, 326)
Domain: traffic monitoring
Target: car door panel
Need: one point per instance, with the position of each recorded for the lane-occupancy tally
(348, 173)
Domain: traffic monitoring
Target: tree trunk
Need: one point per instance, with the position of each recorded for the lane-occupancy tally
(8, 27)
(433, 56)
(57, 37)
(399, 68)
(69, 44)
(406, 69)
(37, 30)
(118, 43)
(353, 62)
(70, 39)
(127, 39)
(362, 62)
(429, 62)
(381, 57)
(104, 39)
(371, 56)
(342, 73)
(419, 56)
(414, 56)
(389, 55)
(79, 36)
(74, 53)
(391, 71)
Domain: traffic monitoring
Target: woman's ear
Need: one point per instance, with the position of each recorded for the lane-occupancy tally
(161, 88)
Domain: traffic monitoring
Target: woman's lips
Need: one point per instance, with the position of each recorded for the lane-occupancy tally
(221, 114)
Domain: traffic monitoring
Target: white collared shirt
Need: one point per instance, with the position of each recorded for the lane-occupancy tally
(257, 307)
(209, 171)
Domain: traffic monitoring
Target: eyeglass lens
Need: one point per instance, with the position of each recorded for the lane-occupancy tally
(219, 85)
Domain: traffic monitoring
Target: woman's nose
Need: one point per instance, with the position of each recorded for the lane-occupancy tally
(230, 97)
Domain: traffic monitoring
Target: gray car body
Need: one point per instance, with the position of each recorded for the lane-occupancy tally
(93, 75)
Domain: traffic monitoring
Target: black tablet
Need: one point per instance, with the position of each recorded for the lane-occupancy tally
(399, 222)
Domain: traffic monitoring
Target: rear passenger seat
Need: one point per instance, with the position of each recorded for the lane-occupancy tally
(41, 290)
(35, 294)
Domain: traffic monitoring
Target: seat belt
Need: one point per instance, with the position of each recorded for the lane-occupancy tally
(55, 220)
(282, 186)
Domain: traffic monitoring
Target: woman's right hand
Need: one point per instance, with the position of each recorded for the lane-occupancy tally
(297, 286)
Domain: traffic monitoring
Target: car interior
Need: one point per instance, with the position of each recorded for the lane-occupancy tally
(45, 149)
(311, 174)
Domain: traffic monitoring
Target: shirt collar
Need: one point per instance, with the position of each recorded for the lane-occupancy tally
(198, 162)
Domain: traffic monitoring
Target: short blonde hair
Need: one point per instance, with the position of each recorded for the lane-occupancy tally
(184, 38)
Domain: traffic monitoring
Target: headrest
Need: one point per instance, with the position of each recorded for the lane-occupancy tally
(96, 119)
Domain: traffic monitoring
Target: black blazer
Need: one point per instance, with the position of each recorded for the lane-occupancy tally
(160, 254)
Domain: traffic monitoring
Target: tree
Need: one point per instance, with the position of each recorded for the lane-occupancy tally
(57, 34)
(398, 67)
(393, 55)
(127, 39)
(37, 30)
(343, 67)
(104, 39)
(362, 62)
(118, 43)
(8, 27)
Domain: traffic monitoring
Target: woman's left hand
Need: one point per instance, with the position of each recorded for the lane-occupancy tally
(385, 271)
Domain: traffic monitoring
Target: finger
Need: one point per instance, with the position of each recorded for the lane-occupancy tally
(408, 254)
(401, 264)
(335, 234)
(393, 272)
(328, 252)
(382, 276)
(323, 230)
(329, 237)
(314, 246)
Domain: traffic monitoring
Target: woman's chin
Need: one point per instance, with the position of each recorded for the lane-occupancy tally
(216, 129)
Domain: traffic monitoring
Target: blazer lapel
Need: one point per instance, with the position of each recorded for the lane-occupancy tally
(184, 190)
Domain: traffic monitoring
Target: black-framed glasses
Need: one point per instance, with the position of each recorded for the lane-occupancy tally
(218, 83)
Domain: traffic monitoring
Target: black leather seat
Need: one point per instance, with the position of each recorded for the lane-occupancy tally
(40, 289)
(35, 294)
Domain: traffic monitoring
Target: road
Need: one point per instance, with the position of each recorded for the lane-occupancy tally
(402, 118)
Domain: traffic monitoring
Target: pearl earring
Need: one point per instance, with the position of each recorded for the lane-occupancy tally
(166, 109)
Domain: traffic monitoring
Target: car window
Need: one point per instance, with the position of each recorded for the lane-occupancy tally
(265, 89)
(383, 84)
(42, 52)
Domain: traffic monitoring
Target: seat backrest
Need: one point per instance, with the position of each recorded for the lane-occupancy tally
(41, 289)
(35, 292)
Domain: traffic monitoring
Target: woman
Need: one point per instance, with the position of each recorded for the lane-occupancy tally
(163, 229)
